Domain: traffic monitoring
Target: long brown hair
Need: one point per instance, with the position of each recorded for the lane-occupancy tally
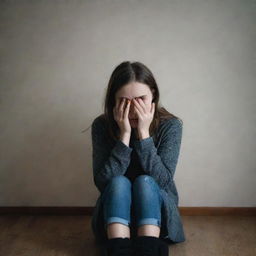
(123, 74)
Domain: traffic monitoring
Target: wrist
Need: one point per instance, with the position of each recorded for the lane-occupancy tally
(125, 138)
(143, 134)
(125, 134)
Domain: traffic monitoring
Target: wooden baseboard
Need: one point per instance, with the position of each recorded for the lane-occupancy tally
(213, 211)
(184, 211)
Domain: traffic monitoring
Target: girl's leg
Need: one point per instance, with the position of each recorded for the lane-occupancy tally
(116, 207)
(147, 202)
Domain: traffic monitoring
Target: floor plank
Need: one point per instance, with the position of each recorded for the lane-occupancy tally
(72, 235)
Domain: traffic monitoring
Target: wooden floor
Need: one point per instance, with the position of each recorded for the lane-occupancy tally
(72, 235)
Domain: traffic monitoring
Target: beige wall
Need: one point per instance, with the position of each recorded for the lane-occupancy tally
(56, 59)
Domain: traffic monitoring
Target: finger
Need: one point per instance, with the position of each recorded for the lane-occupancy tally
(121, 102)
(122, 105)
(140, 105)
(127, 108)
(138, 112)
(143, 105)
(136, 104)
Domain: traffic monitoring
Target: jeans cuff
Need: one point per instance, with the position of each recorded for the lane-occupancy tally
(149, 221)
(117, 219)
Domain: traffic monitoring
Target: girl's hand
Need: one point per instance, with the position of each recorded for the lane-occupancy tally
(121, 115)
(145, 115)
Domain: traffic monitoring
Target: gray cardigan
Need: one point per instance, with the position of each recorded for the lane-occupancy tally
(156, 156)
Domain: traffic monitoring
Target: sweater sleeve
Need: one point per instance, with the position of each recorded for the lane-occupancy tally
(161, 163)
(107, 162)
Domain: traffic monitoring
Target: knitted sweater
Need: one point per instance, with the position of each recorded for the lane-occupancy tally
(156, 156)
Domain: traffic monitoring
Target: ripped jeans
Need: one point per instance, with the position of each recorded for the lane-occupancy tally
(132, 204)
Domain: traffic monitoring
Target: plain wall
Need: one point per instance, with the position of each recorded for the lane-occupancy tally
(56, 60)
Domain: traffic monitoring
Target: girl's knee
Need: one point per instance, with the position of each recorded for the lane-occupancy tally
(142, 179)
(145, 183)
(120, 180)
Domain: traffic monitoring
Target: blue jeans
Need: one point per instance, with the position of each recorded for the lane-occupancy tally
(136, 204)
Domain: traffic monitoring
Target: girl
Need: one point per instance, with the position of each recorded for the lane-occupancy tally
(136, 146)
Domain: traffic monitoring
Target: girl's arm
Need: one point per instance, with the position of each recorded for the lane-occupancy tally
(107, 162)
(161, 163)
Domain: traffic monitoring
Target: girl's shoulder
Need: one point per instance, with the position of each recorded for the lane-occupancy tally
(99, 122)
(166, 126)
(99, 125)
(173, 122)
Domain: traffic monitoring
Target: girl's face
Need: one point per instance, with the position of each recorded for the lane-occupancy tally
(132, 91)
